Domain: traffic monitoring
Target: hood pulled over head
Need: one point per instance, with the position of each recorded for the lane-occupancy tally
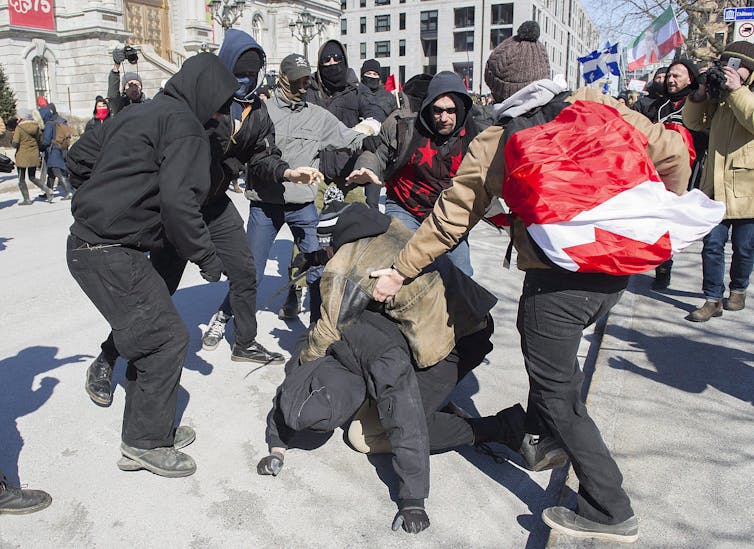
(204, 84)
(445, 83)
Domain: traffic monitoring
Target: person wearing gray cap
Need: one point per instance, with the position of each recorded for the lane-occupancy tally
(302, 130)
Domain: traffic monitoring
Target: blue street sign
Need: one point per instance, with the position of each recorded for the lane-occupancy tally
(738, 14)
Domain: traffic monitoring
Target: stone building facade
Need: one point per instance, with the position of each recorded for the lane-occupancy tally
(68, 60)
(409, 37)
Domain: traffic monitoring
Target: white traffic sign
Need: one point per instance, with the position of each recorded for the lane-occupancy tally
(744, 30)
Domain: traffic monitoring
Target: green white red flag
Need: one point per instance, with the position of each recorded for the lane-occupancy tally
(657, 41)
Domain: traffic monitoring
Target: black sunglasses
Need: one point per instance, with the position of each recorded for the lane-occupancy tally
(335, 57)
(439, 110)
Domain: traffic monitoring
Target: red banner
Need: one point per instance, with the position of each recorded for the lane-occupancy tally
(35, 14)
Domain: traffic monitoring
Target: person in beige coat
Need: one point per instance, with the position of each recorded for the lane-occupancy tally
(556, 305)
(26, 141)
(728, 177)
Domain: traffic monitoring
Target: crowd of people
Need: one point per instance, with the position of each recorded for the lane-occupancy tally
(386, 346)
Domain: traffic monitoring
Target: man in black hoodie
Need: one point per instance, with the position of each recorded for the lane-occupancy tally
(246, 135)
(419, 156)
(141, 181)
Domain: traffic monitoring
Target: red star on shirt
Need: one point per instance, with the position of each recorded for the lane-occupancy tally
(427, 154)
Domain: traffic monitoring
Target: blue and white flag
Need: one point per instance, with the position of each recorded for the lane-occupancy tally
(600, 63)
(611, 58)
(592, 68)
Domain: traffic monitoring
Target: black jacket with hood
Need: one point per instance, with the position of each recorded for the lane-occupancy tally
(142, 177)
(246, 135)
(412, 130)
(347, 104)
(371, 359)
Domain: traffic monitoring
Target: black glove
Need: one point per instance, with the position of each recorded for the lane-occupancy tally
(370, 143)
(119, 55)
(305, 260)
(412, 519)
(212, 269)
(270, 465)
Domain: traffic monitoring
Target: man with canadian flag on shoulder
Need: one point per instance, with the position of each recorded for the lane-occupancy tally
(588, 182)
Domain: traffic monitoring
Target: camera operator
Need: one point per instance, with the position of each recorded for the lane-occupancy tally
(132, 85)
(724, 104)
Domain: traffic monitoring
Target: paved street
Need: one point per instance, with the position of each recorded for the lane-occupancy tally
(674, 401)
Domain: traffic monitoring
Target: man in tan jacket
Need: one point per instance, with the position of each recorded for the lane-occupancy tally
(728, 177)
(556, 305)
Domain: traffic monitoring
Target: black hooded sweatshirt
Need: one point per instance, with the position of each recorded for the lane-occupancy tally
(427, 160)
(346, 103)
(142, 177)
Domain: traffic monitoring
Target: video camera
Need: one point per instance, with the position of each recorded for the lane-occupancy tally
(714, 80)
(131, 54)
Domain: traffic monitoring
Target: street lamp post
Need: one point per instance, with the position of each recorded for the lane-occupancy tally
(226, 12)
(306, 28)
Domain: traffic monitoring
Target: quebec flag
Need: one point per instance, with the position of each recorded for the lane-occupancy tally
(591, 67)
(599, 63)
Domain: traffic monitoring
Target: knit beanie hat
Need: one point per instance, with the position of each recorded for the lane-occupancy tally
(741, 49)
(370, 65)
(516, 62)
(129, 76)
(342, 223)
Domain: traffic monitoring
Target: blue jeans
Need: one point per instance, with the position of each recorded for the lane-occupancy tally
(265, 222)
(460, 256)
(713, 257)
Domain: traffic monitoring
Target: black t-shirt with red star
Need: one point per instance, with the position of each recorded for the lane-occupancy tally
(429, 171)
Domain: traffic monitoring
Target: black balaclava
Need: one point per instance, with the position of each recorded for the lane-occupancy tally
(334, 77)
(246, 70)
(371, 82)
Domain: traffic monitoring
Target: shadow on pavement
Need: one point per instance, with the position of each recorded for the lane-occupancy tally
(3, 240)
(700, 365)
(19, 398)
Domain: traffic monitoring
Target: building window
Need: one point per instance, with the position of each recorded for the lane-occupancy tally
(363, 50)
(41, 76)
(382, 48)
(381, 2)
(498, 35)
(343, 5)
(381, 23)
(401, 21)
(401, 47)
(428, 21)
(384, 73)
(463, 41)
(466, 72)
(464, 17)
(362, 3)
(256, 28)
(402, 1)
(502, 14)
(402, 74)
(343, 27)
(363, 24)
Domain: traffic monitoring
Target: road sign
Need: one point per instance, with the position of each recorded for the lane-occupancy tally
(744, 30)
(738, 14)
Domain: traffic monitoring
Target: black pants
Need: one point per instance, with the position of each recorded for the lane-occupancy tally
(436, 383)
(146, 329)
(551, 322)
(62, 176)
(229, 237)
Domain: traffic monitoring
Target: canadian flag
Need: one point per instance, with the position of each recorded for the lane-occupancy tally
(591, 198)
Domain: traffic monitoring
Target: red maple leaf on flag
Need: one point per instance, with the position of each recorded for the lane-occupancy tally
(618, 254)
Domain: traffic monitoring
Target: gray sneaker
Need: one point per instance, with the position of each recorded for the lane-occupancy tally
(166, 461)
(215, 331)
(184, 435)
(542, 452)
(567, 522)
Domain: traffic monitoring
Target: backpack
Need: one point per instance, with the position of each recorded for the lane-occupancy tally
(63, 135)
(590, 196)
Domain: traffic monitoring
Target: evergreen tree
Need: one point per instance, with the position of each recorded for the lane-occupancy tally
(7, 97)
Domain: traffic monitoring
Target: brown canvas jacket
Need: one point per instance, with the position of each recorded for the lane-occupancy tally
(432, 311)
(480, 179)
